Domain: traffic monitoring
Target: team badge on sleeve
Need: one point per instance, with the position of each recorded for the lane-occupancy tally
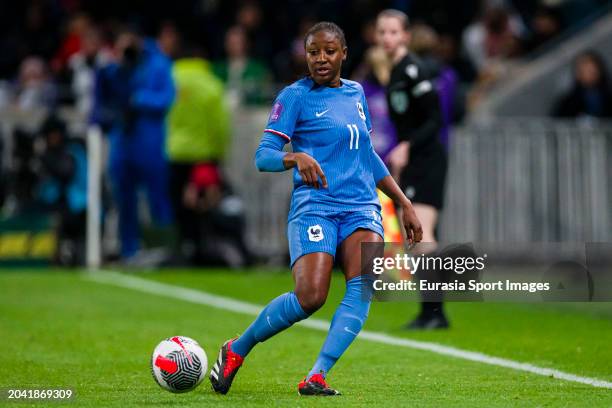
(276, 112)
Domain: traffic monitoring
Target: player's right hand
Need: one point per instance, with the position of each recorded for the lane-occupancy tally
(309, 169)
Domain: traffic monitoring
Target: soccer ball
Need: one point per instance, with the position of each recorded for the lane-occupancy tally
(179, 364)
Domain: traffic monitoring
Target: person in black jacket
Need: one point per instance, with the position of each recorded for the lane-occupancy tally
(419, 161)
(590, 94)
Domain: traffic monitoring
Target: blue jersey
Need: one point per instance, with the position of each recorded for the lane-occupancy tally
(332, 125)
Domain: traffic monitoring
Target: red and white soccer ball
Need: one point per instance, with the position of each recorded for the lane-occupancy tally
(179, 364)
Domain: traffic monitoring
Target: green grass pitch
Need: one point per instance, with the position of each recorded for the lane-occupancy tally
(58, 329)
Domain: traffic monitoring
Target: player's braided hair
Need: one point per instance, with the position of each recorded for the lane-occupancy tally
(329, 27)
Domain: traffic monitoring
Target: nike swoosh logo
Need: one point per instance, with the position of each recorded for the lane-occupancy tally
(346, 329)
(270, 323)
(319, 114)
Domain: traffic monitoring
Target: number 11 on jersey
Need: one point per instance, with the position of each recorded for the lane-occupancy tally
(354, 135)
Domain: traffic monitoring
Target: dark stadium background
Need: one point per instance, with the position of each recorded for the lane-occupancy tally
(530, 179)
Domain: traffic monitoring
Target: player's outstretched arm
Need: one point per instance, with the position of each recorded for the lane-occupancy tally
(414, 231)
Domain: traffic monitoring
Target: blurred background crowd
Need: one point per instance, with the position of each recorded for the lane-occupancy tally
(51, 47)
(173, 77)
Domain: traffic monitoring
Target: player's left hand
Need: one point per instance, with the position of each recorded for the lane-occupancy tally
(414, 231)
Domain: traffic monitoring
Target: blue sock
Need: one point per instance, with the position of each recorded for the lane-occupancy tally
(278, 315)
(348, 320)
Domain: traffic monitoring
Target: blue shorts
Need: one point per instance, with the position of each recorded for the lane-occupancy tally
(324, 232)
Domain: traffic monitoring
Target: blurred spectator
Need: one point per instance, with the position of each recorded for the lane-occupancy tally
(492, 38)
(491, 43)
(77, 26)
(35, 88)
(132, 100)
(198, 136)
(590, 94)
(168, 40)
(62, 188)
(247, 80)
(544, 26)
(80, 75)
(423, 43)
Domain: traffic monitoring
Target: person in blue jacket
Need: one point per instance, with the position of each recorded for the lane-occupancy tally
(133, 96)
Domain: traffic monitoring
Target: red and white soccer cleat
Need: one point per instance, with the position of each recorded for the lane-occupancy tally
(225, 368)
(316, 385)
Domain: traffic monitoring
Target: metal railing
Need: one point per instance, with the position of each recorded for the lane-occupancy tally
(529, 180)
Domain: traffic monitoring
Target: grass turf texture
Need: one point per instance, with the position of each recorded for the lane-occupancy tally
(59, 330)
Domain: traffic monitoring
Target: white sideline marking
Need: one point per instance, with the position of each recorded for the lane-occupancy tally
(225, 303)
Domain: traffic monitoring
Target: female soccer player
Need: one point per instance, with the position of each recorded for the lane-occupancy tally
(419, 160)
(334, 205)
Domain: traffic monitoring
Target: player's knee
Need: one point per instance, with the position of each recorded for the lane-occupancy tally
(313, 300)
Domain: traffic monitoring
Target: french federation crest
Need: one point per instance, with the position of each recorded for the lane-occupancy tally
(360, 110)
(315, 233)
